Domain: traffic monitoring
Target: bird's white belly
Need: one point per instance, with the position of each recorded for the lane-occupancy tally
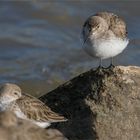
(42, 124)
(104, 49)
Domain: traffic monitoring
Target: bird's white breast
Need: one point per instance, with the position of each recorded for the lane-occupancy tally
(3, 107)
(105, 48)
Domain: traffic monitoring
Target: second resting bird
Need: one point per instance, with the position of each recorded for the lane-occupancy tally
(26, 106)
(104, 36)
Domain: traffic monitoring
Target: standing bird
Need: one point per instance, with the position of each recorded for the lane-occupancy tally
(26, 106)
(104, 36)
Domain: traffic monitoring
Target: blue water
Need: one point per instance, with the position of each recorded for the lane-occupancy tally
(40, 45)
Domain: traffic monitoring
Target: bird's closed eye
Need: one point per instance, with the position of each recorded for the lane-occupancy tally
(16, 93)
(97, 26)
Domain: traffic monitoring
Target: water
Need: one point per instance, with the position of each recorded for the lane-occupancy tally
(40, 45)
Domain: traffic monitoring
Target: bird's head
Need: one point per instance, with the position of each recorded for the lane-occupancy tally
(9, 92)
(94, 27)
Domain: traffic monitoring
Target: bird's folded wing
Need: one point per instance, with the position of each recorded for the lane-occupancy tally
(36, 110)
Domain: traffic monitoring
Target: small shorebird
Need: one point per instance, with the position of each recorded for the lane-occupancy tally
(26, 106)
(104, 36)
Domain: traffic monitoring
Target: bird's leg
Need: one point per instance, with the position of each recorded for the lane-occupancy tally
(111, 64)
(100, 68)
(100, 64)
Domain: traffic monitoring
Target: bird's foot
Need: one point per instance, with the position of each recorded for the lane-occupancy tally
(111, 67)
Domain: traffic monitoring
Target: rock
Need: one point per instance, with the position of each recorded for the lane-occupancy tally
(12, 128)
(100, 105)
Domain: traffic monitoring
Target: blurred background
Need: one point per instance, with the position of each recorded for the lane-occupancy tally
(40, 45)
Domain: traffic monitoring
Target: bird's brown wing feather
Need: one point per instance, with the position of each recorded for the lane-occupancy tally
(116, 24)
(34, 109)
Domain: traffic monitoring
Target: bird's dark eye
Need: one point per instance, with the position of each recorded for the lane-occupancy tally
(98, 26)
(15, 93)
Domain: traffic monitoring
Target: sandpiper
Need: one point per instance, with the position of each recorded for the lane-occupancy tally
(104, 36)
(26, 106)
